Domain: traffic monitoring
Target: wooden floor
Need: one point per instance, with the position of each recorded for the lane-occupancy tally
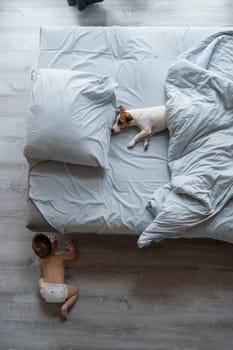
(176, 295)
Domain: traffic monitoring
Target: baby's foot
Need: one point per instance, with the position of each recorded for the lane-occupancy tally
(64, 313)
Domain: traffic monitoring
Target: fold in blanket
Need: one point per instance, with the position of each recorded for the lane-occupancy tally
(199, 88)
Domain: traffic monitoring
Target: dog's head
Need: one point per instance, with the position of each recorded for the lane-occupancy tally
(123, 120)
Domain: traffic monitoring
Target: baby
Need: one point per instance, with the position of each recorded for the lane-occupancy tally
(51, 285)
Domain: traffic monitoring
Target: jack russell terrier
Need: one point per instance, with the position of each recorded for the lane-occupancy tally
(149, 120)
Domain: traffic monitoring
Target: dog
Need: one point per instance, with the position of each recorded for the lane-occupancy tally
(150, 121)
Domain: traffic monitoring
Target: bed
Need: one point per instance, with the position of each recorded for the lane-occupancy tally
(151, 194)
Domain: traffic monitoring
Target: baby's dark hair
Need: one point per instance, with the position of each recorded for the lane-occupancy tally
(41, 245)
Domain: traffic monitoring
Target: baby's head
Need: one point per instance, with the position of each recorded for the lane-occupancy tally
(41, 245)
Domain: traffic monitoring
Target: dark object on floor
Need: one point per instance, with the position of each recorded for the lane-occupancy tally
(82, 4)
(72, 2)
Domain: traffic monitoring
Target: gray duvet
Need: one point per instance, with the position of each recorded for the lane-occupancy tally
(199, 105)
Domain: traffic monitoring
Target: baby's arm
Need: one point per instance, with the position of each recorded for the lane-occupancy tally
(53, 239)
(71, 252)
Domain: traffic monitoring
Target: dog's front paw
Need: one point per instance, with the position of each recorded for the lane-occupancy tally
(131, 144)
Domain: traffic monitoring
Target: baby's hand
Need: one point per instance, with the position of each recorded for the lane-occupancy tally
(69, 243)
(53, 239)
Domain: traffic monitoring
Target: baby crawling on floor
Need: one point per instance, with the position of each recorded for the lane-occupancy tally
(51, 285)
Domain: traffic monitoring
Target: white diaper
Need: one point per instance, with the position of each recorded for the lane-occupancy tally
(54, 292)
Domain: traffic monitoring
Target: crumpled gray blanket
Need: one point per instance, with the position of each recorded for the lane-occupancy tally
(199, 105)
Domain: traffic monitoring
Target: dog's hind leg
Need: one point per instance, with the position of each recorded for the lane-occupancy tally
(146, 142)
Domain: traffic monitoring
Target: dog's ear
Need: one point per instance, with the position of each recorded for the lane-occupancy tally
(118, 110)
(128, 118)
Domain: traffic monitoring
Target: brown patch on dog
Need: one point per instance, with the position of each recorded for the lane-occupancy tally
(124, 118)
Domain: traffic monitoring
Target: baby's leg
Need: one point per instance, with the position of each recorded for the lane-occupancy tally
(71, 299)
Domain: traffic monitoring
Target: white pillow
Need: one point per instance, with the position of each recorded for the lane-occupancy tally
(71, 119)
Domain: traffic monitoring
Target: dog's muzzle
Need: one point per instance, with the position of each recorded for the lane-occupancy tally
(115, 129)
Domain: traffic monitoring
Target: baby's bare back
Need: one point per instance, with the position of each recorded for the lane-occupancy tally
(53, 269)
